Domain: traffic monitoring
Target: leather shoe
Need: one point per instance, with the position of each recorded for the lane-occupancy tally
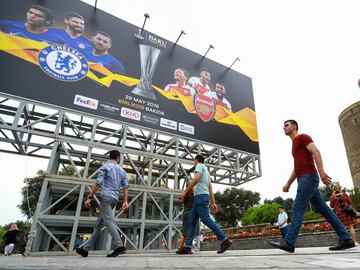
(117, 252)
(283, 245)
(184, 251)
(343, 244)
(82, 252)
(224, 246)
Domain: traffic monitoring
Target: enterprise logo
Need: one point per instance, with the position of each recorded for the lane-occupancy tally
(86, 102)
(131, 114)
(166, 123)
(186, 128)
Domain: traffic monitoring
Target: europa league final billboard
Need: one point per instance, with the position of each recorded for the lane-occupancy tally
(68, 54)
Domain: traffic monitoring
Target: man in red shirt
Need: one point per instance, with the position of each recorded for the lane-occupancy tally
(305, 152)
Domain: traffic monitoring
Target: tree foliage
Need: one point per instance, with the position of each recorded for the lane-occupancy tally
(354, 195)
(326, 192)
(233, 202)
(287, 203)
(30, 193)
(260, 214)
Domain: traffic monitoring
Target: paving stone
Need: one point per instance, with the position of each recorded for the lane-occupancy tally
(303, 258)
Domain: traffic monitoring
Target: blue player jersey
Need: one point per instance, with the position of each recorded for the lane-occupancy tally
(81, 43)
(108, 61)
(18, 29)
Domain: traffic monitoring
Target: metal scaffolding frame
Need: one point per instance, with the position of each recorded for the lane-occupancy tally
(158, 167)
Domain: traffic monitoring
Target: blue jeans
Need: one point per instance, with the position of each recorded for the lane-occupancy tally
(107, 204)
(308, 191)
(200, 210)
(284, 231)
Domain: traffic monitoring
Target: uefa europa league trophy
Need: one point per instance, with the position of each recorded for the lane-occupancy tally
(148, 59)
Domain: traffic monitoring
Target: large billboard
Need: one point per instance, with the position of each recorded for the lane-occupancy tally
(68, 54)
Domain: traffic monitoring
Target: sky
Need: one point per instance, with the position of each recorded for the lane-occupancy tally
(303, 58)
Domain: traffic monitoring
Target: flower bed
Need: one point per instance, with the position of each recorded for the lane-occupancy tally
(238, 233)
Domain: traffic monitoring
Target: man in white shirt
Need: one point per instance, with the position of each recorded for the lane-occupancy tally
(218, 96)
(282, 222)
(201, 84)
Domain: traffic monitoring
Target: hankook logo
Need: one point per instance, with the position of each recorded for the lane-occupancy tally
(130, 114)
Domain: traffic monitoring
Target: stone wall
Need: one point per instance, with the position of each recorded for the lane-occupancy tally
(318, 239)
(349, 121)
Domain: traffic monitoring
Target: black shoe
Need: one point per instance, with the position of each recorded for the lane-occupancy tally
(283, 245)
(82, 252)
(343, 244)
(117, 252)
(184, 251)
(224, 246)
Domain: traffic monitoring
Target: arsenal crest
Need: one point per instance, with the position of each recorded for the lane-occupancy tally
(205, 107)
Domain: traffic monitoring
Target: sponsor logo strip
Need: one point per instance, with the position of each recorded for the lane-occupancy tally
(130, 114)
(166, 123)
(186, 128)
(86, 102)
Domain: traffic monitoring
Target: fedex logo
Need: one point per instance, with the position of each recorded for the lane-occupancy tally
(86, 102)
(131, 114)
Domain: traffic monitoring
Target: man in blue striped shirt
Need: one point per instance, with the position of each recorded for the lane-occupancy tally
(111, 178)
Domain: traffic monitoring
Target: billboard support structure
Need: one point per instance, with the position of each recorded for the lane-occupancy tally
(236, 59)
(158, 166)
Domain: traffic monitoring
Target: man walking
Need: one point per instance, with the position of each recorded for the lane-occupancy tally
(305, 152)
(111, 177)
(282, 222)
(203, 196)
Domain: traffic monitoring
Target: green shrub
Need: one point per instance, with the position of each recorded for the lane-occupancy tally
(311, 215)
(265, 213)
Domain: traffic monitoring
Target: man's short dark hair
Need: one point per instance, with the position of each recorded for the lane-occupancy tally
(293, 122)
(185, 71)
(200, 158)
(280, 207)
(104, 34)
(114, 154)
(71, 14)
(204, 69)
(49, 16)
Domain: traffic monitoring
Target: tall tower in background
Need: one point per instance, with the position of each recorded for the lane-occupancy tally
(349, 121)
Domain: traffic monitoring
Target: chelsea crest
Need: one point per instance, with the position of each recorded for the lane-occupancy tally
(63, 63)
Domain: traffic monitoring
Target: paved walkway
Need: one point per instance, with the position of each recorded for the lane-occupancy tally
(303, 258)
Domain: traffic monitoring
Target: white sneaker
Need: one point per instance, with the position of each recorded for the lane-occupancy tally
(356, 243)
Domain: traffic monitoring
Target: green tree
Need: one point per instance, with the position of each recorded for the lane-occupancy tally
(2, 232)
(30, 194)
(287, 204)
(233, 202)
(326, 192)
(265, 213)
(354, 195)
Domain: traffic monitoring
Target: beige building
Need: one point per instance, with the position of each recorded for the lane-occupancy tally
(349, 121)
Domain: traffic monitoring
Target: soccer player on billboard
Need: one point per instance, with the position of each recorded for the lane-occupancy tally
(38, 19)
(201, 84)
(102, 42)
(218, 96)
(181, 77)
(73, 33)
